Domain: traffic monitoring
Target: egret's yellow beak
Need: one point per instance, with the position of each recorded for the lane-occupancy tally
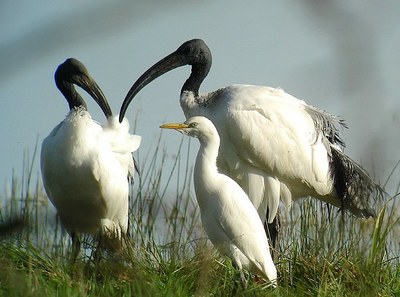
(176, 126)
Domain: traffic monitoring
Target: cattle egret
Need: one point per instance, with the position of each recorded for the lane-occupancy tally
(229, 218)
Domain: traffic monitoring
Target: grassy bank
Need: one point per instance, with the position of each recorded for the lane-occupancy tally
(322, 252)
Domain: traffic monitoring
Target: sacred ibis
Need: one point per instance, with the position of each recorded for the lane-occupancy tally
(274, 145)
(222, 202)
(85, 166)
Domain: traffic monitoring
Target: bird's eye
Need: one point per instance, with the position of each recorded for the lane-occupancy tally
(192, 125)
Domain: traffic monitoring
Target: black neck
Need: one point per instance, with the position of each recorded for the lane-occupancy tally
(68, 90)
(198, 74)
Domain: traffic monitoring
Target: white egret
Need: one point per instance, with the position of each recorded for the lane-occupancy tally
(85, 167)
(228, 216)
(277, 147)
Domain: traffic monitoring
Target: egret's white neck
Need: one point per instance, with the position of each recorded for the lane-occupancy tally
(206, 174)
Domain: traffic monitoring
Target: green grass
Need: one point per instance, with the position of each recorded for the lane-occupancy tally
(322, 252)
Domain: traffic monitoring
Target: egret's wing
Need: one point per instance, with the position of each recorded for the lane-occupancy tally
(247, 234)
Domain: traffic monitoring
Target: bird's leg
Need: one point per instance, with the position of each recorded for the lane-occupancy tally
(76, 246)
(125, 241)
(97, 252)
(243, 281)
(272, 231)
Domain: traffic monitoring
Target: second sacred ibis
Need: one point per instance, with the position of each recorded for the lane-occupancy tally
(276, 146)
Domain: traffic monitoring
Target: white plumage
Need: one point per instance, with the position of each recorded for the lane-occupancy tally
(229, 218)
(274, 145)
(85, 166)
(270, 146)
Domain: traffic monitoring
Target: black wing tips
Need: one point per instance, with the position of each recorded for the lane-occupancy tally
(358, 192)
(327, 124)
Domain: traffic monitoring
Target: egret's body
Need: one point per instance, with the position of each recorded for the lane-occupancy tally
(274, 145)
(85, 166)
(229, 218)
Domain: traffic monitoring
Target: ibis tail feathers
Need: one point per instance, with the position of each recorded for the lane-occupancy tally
(358, 192)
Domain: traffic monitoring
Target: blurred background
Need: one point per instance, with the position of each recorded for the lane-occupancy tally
(340, 56)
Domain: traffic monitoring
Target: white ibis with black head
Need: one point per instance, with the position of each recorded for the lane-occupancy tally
(222, 201)
(273, 144)
(85, 166)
